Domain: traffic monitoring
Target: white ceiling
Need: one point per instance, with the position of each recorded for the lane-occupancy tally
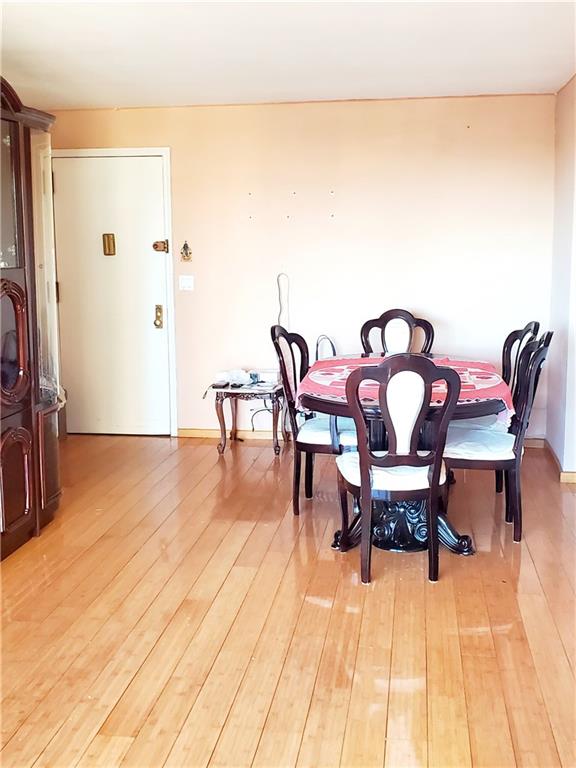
(71, 55)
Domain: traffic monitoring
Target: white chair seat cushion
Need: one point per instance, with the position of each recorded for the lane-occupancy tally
(316, 431)
(480, 422)
(479, 444)
(400, 478)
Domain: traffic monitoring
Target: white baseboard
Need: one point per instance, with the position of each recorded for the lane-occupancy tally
(243, 434)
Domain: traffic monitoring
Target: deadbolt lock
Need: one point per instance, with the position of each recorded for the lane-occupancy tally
(159, 316)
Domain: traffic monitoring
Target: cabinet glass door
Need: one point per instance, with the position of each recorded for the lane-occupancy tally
(9, 256)
(45, 265)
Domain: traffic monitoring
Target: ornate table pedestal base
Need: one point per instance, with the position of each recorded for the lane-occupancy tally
(402, 527)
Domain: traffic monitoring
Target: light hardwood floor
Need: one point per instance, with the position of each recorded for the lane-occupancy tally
(176, 613)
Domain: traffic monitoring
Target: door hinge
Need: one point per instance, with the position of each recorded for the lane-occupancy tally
(160, 245)
(57, 286)
(53, 184)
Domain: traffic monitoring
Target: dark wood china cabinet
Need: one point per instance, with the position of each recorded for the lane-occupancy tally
(29, 325)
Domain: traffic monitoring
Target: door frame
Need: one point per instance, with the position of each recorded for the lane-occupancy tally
(164, 153)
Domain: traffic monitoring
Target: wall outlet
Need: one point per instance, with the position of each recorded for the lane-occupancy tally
(186, 282)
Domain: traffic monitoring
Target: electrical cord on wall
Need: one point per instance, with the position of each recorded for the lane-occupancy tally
(266, 409)
(283, 284)
(283, 299)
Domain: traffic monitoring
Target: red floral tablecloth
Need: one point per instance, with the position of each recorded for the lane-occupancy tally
(480, 381)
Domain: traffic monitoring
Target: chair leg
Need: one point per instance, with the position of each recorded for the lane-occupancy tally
(516, 495)
(343, 493)
(499, 480)
(432, 508)
(296, 482)
(509, 516)
(366, 540)
(309, 476)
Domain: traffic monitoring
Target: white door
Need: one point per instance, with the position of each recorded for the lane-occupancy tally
(114, 339)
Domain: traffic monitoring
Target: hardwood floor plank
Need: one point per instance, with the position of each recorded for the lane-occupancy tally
(53, 662)
(325, 727)
(105, 752)
(200, 731)
(116, 480)
(239, 738)
(448, 737)
(365, 736)
(554, 674)
(114, 654)
(133, 707)
(407, 704)
(176, 612)
(527, 716)
(162, 727)
(92, 551)
(405, 753)
(490, 738)
(282, 734)
(164, 721)
(112, 619)
(508, 573)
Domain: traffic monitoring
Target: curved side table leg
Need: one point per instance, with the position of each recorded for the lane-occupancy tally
(234, 410)
(220, 413)
(284, 419)
(275, 414)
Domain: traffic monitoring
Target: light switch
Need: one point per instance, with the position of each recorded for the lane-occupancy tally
(186, 282)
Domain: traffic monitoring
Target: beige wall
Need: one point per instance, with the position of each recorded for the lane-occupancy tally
(442, 206)
(562, 357)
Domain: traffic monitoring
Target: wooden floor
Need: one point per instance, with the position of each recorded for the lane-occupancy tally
(176, 613)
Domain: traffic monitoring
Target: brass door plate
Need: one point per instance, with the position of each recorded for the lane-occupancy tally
(160, 245)
(109, 244)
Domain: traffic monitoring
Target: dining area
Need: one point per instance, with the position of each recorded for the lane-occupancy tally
(399, 418)
(288, 351)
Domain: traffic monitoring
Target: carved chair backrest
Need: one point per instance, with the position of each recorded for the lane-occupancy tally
(513, 346)
(397, 327)
(530, 365)
(292, 352)
(404, 394)
(522, 366)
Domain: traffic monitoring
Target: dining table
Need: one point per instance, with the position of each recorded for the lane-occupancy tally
(402, 525)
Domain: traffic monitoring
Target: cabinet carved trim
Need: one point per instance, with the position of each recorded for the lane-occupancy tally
(11, 103)
(18, 298)
(18, 436)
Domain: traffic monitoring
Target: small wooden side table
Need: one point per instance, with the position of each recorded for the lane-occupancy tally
(272, 392)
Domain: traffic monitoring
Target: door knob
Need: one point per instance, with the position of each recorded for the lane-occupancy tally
(159, 316)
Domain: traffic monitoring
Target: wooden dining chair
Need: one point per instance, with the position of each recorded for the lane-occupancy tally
(513, 346)
(397, 328)
(492, 449)
(311, 433)
(402, 473)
